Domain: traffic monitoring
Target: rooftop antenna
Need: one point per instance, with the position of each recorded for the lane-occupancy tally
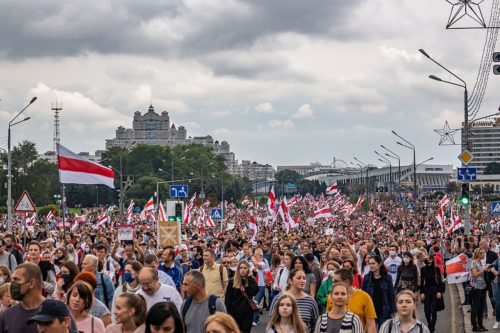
(57, 134)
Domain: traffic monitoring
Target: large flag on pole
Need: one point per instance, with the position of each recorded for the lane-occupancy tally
(456, 268)
(76, 169)
(332, 189)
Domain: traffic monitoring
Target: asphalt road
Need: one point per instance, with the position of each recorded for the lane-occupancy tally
(449, 320)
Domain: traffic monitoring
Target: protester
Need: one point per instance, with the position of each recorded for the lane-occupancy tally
(216, 277)
(105, 289)
(79, 301)
(378, 284)
(221, 323)
(406, 319)
(358, 279)
(286, 317)
(153, 291)
(26, 288)
(407, 278)
(338, 319)
(130, 282)
(238, 301)
(358, 301)
(198, 304)
(164, 317)
(478, 293)
(130, 314)
(98, 308)
(5, 275)
(151, 260)
(260, 267)
(6, 258)
(68, 272)
(300, 263)
(6, 297)
(53, 317)
(169, 266)
(281, 276)
(432, 289)
(308, 308)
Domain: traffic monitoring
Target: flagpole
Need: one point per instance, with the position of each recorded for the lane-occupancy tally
(63, 207)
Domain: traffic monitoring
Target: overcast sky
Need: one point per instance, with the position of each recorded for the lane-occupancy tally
(284, 82)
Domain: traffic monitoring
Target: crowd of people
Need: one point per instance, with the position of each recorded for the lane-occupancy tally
(365, 271)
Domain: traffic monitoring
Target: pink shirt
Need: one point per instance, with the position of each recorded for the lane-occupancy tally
(85, 325)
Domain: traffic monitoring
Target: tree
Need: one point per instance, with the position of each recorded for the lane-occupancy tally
(23, 155)
(492, 168)
(288, 176)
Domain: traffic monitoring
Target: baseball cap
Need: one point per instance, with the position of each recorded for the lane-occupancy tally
(51, 240)
(50, 310)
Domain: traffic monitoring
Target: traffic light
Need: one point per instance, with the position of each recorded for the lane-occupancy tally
(465, 197)
(178, 212)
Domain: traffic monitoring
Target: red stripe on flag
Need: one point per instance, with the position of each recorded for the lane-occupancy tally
(70, 164)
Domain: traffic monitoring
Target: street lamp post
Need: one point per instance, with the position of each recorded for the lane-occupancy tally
(9, 164)
(412, 147)
(367, 178)
(465, 144)
(394, 156)
(360, 172)
(386, 160)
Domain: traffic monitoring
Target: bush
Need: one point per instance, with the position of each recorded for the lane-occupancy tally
(45, 210)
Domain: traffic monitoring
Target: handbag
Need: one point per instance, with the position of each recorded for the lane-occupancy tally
(252, 304)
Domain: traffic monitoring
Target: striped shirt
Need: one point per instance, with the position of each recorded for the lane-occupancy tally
(308, 310)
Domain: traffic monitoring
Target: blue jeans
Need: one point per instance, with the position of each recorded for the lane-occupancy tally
(258, 298)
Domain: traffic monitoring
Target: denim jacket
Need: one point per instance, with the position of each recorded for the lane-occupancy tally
(389, 303)
(107, 298)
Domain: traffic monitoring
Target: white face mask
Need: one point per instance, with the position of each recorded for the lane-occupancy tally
(406, 260)
(392, 253)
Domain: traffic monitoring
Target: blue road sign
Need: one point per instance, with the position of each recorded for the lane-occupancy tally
(216, 214)
(410, 206)
(178, 191)
(137, 209)
(400, 199)
(466, 173)
(495, 207)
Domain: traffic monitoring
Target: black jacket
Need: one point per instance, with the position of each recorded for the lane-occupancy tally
(236, 304)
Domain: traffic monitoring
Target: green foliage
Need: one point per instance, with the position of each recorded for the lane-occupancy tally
(288, 176)
(43, 211)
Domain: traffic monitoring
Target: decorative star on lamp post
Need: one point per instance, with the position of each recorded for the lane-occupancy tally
(446, 134)
(467, 10)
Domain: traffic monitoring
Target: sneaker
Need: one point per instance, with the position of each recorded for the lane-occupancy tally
(254, 324)
(497, 325)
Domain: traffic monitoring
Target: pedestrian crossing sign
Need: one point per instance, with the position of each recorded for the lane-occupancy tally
(495, 207)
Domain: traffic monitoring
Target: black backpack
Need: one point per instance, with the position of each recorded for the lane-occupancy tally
(211, 305)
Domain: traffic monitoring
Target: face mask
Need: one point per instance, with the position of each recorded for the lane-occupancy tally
(15, 290)
(87, 249)
(65, 277)
(127, 277)
(406, 260)
(392, 253)
(331, 274)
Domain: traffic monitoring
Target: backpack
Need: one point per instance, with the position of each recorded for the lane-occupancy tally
(211, 305)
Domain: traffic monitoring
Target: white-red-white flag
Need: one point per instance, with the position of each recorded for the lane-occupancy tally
(440, 218)
(130, 210)
(150, 205)
(444, 201)
(271, 205)
(332, 189)
(103, 219)
(252, 225)
(360, 200)
(49, 216)
(162, 214)
(324, 212)
(246, 201)
(456, 222)
(76, 169)
(187, 210)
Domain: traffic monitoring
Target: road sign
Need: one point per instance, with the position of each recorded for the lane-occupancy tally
(400, 199)
(496, 56)
(216, 214)
(465, 157)
(495, 207)
(25, 204)
(466, 173)
(178, 191)
(496, 69)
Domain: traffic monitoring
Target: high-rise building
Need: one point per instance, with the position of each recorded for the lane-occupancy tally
(484, 143)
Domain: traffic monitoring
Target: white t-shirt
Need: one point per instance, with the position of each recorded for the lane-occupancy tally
(392, 265)
(164, 294)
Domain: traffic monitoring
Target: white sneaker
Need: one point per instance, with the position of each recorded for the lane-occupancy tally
(497, 325)
(255, 324)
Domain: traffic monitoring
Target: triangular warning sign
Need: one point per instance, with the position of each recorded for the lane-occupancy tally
(496, 208)
(25, 204)
(216, 215)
